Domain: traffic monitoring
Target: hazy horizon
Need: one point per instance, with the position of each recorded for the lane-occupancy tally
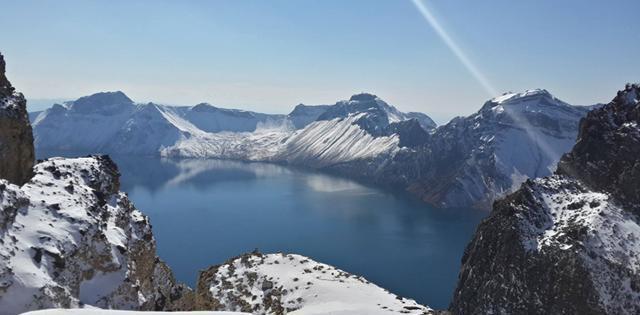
(268, 57)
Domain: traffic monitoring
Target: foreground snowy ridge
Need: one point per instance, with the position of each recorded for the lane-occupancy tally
(294, 284)
(69, 237)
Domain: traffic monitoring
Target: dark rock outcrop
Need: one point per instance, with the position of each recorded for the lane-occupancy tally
(16, 139)
(568, 243)
(607, 153)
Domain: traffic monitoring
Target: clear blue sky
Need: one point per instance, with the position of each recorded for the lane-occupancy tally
(270, 55)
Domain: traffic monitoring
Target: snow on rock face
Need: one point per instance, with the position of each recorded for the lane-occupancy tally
(606, 156)
(302, 115)
(212, 119)
(110, 122)
(294, 284)
(553, 247)
(474, 160)
(379, 112)
(323, 143)
(106, 103)
(261, 145)
(69, 238)
(568, 243)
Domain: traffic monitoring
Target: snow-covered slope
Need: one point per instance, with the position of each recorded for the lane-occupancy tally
(110, 122)
(568, 243)
(327, 142)
(294, 284)
(476, 159)
(80, 125)
(360, 128)
(303, 115)
(69, 238)
(379, 110)
(212, 119)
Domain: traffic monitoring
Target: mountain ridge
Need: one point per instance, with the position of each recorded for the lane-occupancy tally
(472, 160)
(567, 243)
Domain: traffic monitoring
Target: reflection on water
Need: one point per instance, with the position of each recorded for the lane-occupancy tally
(206, 211)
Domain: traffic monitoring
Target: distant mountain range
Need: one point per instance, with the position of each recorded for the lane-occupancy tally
(469, 161)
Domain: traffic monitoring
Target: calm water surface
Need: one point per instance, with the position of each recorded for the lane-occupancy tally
(205, 211)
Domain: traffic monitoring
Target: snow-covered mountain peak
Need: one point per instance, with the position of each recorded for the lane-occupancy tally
(526, 100)
(203, 107)
(511, 96)
(103, 103)
(378, 111)
(363, 97)
(536, 101)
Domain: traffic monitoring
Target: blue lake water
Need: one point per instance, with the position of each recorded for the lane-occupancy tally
(205, 211)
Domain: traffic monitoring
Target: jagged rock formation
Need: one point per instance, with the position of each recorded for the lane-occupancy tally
(69, 237)
(16, 138)
(569, 243)
(606, 156)
(293, 284)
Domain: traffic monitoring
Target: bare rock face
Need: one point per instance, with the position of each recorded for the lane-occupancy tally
(69, 238)
(607, 154)
(568, 243)
(16, 138)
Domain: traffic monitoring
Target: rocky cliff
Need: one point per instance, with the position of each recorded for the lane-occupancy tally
(16, 138)
(68, 236)
(568, 243)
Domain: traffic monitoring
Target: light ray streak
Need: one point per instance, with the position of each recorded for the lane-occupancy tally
(462, 57)
(448, 40)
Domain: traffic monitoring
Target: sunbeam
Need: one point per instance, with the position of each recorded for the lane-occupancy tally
(519, 121)
(433, 22)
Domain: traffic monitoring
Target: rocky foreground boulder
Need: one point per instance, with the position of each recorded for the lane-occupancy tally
(568, 243)
(16, 137)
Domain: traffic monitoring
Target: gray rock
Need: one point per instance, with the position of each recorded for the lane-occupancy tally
(568, 243)
(16, 138)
